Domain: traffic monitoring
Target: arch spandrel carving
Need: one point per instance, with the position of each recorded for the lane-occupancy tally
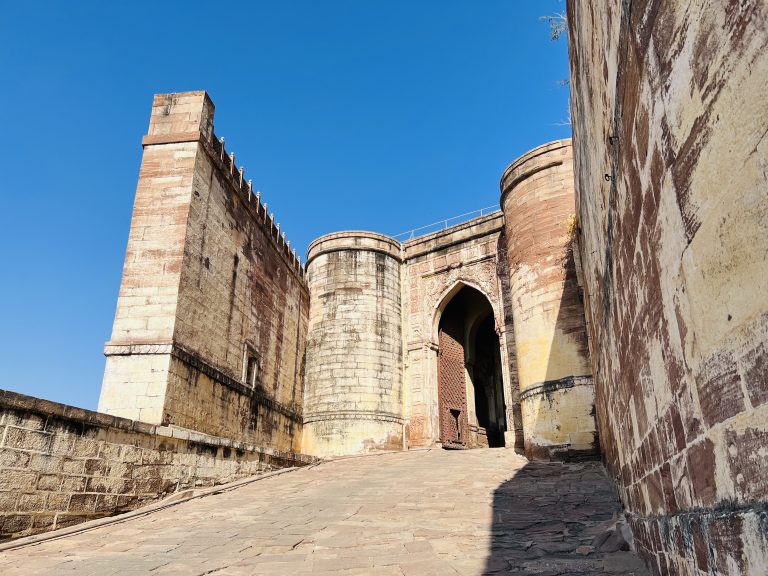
(439, 288)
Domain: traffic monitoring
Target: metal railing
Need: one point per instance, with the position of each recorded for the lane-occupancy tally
(443, 224)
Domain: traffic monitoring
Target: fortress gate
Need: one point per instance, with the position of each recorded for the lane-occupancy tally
(473, 335)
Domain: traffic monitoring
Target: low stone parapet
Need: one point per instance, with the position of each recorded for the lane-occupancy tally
(61, 465)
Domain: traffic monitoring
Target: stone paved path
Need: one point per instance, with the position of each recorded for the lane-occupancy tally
(415, 513)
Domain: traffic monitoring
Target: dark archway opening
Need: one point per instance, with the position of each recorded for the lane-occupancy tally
(488, 383)
(470, 383)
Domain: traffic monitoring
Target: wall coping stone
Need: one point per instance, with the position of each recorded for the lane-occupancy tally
(541, 158)
(355, 240)
(458, 234)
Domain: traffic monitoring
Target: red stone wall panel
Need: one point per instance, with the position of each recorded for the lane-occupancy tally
(669, 156)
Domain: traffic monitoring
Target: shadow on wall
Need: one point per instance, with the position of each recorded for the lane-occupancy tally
(561, 412)
(559, 518)
(569, 354)
(514, 410)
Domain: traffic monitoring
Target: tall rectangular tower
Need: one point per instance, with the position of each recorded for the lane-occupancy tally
(211, 319)
(139, 351)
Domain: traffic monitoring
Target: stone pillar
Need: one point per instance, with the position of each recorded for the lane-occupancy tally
(139, 351)
(556, 391)
(353, 385)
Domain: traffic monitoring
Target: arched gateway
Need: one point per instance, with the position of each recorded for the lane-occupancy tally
(470, 383)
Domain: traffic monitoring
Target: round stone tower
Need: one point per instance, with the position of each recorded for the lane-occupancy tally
(556, 392)
(353, 400)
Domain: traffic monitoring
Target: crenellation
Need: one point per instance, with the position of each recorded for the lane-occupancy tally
(245, 189)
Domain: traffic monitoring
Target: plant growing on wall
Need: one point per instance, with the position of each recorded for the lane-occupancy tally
(558, 25)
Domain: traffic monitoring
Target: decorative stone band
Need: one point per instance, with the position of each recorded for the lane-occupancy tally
(355, 240)
(720, 511)
(540, 158)
(174, 138)
(192, 360)
(137, 349)
(553, 385)
(353, 415)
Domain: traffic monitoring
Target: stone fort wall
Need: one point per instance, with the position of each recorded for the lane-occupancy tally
(222, 341)
(670, 158)
(205, 366)
(212, 314)
(436, 266)
(354, 377)
(60, 465)
(220, 330)
(554, 373)
(372, 360)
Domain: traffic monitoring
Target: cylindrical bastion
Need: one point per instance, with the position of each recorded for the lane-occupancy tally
(556, 392)
(354, 377)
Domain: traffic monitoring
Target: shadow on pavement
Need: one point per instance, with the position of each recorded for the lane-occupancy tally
(557, 518)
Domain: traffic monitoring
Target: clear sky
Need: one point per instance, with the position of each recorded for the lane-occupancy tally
(347, 114)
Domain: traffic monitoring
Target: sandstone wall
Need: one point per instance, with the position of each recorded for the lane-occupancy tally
(353, 393)
(210, 286)
(60, 465)
(436, 267)
(669, 125)
(556, 392)
(134, 383)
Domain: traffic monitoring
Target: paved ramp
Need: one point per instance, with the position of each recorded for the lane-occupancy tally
(414, 513)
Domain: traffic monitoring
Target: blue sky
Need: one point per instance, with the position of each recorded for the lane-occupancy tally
(347, 114)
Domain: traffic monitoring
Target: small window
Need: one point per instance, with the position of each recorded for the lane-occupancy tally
(251, 368)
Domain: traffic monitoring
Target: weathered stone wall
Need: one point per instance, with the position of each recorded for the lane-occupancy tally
(353, 393)
(556, 392)
(670, 127)
(209, 286)
(436, 267)
(360, 391)
(214, 311)
(60, 465)
(134, 384)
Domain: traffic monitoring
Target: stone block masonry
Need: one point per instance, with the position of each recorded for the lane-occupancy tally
(60, 465)
(354, 378)
(210, 328)
(556, 392)
(219, 329)
(436, 267)
(671, 159)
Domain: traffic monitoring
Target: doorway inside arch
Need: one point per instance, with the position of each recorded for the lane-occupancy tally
(470, 382)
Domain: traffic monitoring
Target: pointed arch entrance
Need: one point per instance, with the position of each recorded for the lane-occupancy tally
(471, 406)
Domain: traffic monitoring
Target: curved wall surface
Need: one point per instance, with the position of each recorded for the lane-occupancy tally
(353, 384)
(556, 392)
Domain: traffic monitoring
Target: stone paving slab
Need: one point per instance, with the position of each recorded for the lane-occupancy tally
(472, 512)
